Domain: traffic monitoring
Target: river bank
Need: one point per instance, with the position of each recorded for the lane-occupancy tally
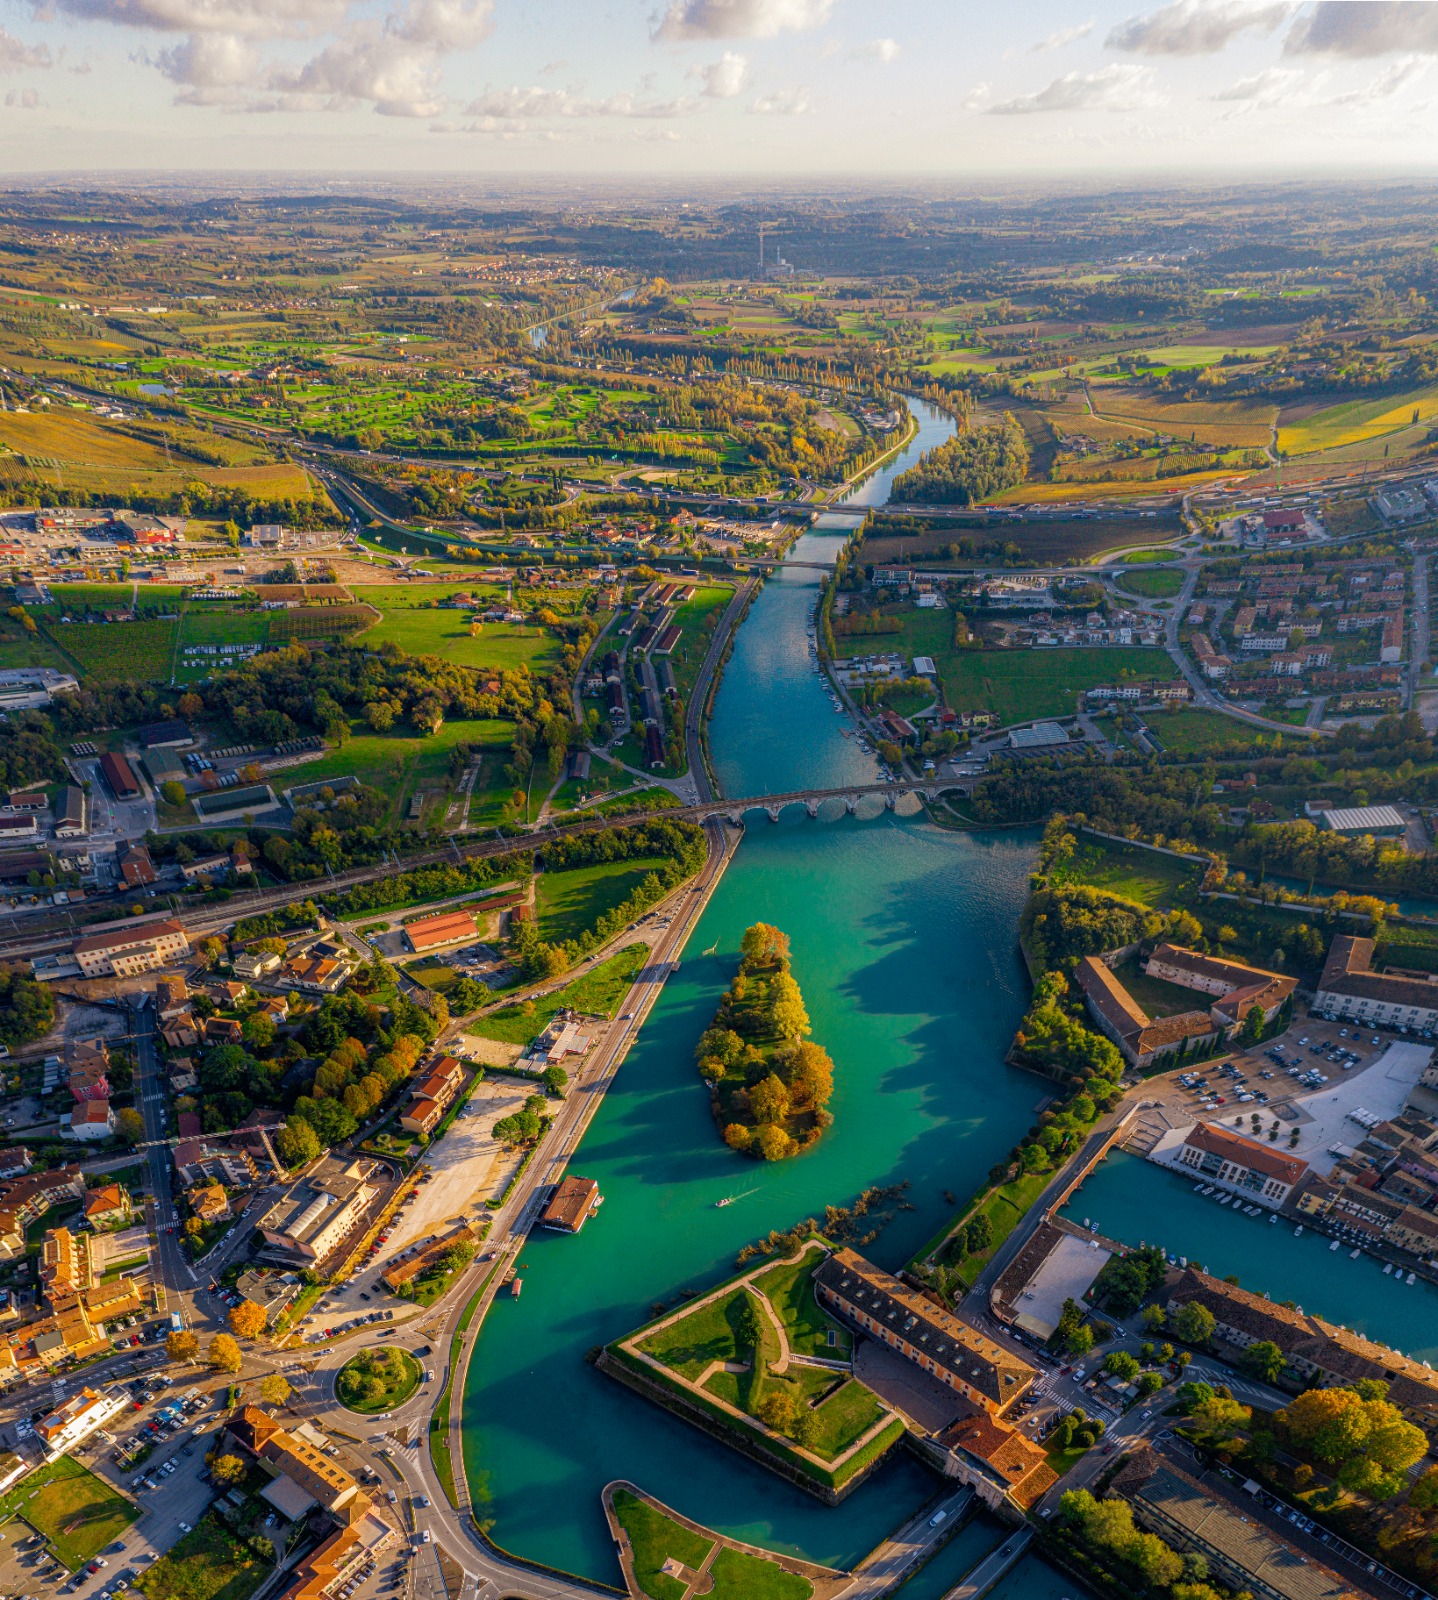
(905, 947)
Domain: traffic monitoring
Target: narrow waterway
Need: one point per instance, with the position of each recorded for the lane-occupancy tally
(1136, 1202)
(904, 943)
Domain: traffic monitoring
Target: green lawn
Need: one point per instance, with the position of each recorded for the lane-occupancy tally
(1160, 583)
(78, 1512)
(737, 1575)
(572, 901)
(654, 1539)
(1128, 871)
(706, 1335)
(1021, 684)
(596, 994)
(1191, 732)
(847, 1415)
(395, 1371)
(447, 633)
(789, 1288)
(208, 1563)
(1157, 996)
(403, 762)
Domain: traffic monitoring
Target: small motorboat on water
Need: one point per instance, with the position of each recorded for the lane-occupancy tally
(1388, 1270)
(1298, 1231)
(1354, 1254)
(1334, 1245)
(728, 1200)
(1411, 1278)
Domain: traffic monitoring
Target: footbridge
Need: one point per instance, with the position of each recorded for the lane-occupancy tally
(890, 793)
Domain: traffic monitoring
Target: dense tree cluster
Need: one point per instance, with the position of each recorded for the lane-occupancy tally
(974, 465)
(27, 1008)
(769, 1084)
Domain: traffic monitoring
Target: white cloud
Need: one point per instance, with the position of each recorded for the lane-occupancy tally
(783, 103)
(977, 99)
(517, 104)
(885, 50)
(1388, 83)
(1372, 28)
(723, 79)
(442, 24)
(262, 18)
(17, 56)
(1268, 88)
(352, 71)
(1056, 41)
(741, 19)
(212, 66)
(1120, 86)
(1195, 27)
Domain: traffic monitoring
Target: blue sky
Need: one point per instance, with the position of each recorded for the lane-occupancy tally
(958, 88)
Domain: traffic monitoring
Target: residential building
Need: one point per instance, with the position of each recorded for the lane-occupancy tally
(319, 1212)
(133, 948)
(1193, 1510)
(432, 1095)
(935, 1340)
(997, 1461)
(430, 933)
(90, 1121)
(209, 1203)
(272, 1291)
(210, 869)
(1349, 987)
(89, 1065)
(172, 999)
(1319, 1353)
(197, 1160)
(24, 1199)
(253, 964)
(108, 1206)
(17, 826)
(1257, 1171)
(317, 974)
(572, 1204)
(75, 1419)
(223, 1030)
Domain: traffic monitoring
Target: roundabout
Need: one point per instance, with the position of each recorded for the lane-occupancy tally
(376, 1381)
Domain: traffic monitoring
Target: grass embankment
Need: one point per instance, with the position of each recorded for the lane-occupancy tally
(1201, 733)
(597, 994)
(1130, 871)
(737, 1575)
(78, 1512)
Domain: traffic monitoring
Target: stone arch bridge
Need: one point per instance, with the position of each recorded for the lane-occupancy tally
(734, 810)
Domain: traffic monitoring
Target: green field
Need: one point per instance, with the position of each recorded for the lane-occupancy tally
(705, 1336)
(655, 1538)
(446, 633)
(1128, 871)
(1160, 583)
(1021, 684)
(208, 1563)
(402, 764)
(572, 901)
(1192, 732)
(393, 1374)
(78, 1512)
(789, 1288)
(1365, 422)
(117, 652)
(597, 994)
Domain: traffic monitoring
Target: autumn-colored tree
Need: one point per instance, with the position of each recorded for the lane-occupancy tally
(776, 1411)
(182, 1345)
(769, 1100)
(247, 1320)
(737, 1136)
(764, 944)
(811, 1077)
(787, 1014)
(129, 1125)
(274, 1388)
(224, 1354)
(296, 1143)
(773, 1143)
(227, 1470)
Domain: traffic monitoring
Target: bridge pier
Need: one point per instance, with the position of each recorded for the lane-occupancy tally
(735, 819)
(773, 812)
(891, 800)
(851, 805)
(812, 807)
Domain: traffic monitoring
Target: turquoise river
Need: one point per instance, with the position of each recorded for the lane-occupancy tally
(904, 943)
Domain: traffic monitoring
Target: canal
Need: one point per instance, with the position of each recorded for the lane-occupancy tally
(904, 943)
(1136, 1202)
